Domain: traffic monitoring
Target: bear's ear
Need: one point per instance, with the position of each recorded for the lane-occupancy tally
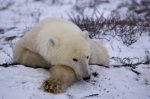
(86, 34)
(53, 41)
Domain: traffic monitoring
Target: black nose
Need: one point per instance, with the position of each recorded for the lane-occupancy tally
(86, 78)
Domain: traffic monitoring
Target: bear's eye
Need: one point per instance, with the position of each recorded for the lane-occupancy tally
(87, 57)
(74, 59)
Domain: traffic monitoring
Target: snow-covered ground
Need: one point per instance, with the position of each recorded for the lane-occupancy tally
(20, 82)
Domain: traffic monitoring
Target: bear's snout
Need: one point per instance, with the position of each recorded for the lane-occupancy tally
(86, 78)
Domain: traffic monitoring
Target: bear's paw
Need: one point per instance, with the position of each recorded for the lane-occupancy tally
(53, 86)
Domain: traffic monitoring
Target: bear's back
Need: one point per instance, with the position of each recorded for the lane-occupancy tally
(55, 24)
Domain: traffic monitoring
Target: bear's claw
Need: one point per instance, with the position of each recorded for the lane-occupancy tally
(53, 86)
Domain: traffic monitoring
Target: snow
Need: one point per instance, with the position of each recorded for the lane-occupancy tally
(25, 83)
(20, 82)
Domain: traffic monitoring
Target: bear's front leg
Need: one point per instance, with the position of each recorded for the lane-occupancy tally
(61, 78)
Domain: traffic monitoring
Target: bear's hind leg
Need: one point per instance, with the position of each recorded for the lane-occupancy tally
(61, 78)
(99, 54)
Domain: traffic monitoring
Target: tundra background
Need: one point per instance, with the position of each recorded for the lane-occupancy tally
(123, 26)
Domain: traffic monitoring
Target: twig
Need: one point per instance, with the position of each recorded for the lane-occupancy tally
(13, 64)
(92, 95)
(138, 73)
(9, 64)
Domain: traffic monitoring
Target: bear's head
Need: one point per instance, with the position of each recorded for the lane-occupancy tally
(74, 52)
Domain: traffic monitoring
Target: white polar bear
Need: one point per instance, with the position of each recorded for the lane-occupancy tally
(58, 42)
(61, 44)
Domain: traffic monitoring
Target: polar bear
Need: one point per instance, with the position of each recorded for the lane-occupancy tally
(57, 42)
(61, 46)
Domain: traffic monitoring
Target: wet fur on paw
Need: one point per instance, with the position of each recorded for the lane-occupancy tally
(53, 86)
(61, 78)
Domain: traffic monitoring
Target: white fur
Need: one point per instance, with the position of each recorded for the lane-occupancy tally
(99, 54)
(57, 42)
